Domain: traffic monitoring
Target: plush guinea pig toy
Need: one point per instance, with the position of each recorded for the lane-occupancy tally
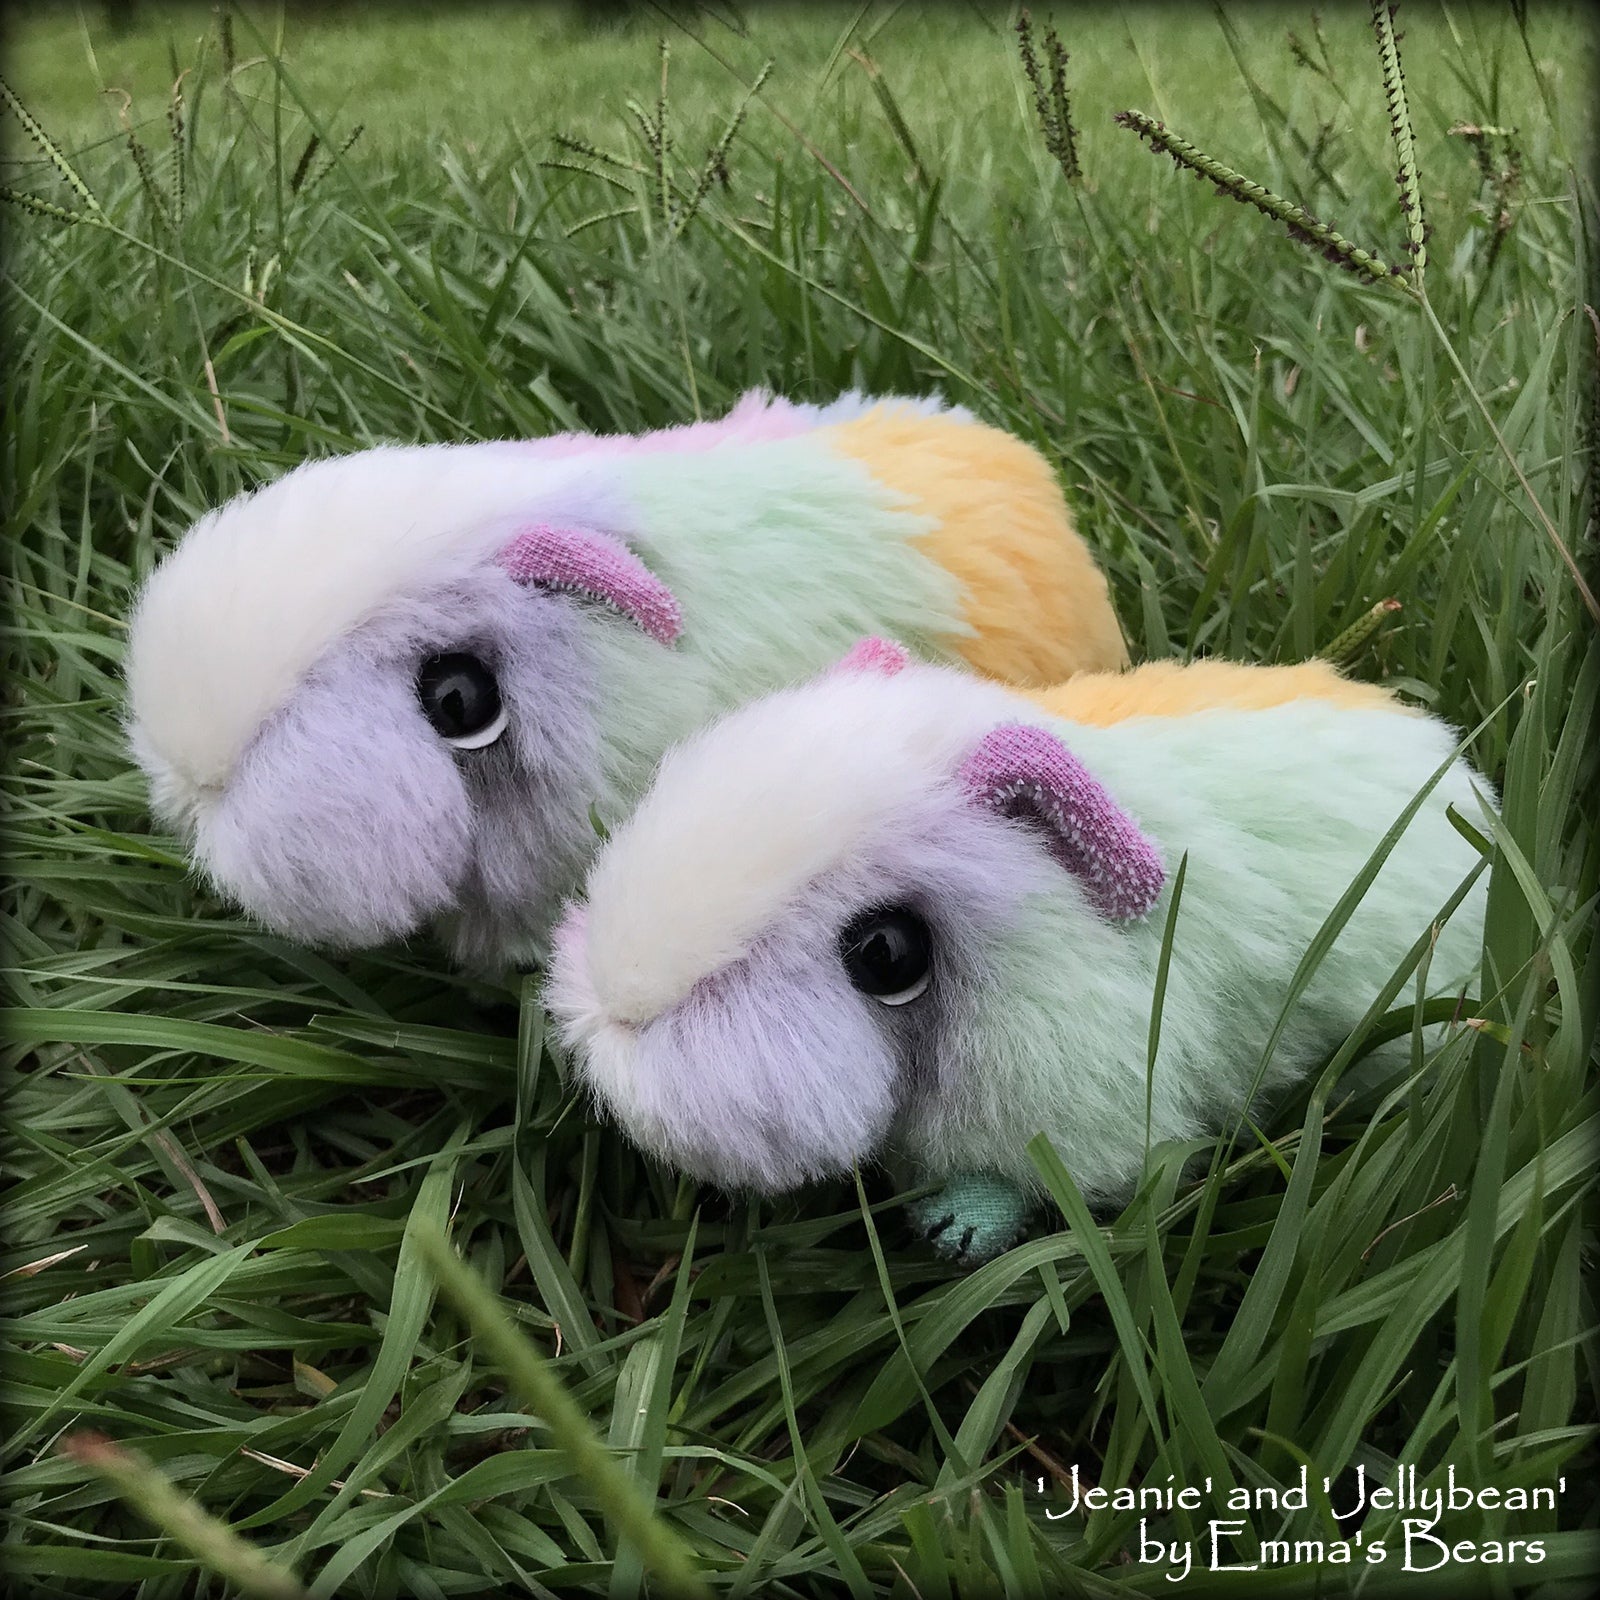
(904, 911)
(399, 687)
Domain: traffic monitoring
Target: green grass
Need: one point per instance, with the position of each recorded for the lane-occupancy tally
(233, 1156)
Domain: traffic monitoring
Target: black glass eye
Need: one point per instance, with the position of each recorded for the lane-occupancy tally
(888, 954)
(461, 699)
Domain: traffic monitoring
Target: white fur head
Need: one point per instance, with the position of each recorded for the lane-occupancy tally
(730, 983)
(276, 670)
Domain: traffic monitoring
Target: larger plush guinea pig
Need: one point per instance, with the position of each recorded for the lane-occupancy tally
(901, 911)
(399, 687)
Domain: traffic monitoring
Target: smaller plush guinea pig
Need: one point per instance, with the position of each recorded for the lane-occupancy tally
(904, 912)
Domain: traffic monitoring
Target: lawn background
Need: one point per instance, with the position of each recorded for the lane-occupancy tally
(244, 1144)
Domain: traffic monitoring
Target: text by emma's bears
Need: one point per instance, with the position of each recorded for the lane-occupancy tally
(1403, 1522)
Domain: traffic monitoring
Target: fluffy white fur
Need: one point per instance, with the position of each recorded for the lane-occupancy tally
(230, 622)
(744, 814)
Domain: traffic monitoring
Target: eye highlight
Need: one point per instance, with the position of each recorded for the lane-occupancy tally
(461, 699)
(887, 953)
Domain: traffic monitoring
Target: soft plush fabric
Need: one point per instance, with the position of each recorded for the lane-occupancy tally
(1173, 688)
(701, 985)
(994, 519)
(623, 591)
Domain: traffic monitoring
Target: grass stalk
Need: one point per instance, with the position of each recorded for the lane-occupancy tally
(620, 1497)
(207, 1538)
(1407, 179)
(47, 146)
(1296, 220)
(1552, 532)
(1348, 645)
(1051, 101)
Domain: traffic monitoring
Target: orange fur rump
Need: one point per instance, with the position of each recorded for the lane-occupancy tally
(1173, 689)
(1040, 607)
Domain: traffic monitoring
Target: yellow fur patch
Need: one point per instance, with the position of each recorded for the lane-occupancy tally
(1039, 605)
(1171, 689)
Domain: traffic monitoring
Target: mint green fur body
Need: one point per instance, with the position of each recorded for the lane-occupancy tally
(782, 555)
(1278, 812)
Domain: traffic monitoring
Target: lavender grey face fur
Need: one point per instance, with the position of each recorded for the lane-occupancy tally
(350, 819)
(798, 1030)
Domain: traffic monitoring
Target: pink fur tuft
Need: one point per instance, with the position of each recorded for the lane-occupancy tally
(583, 561)
(756, 419)
(874, 654)
(1019, 770)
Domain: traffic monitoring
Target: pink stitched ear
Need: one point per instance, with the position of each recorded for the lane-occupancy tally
(874, 654)
(584, 561)
(1019, 770)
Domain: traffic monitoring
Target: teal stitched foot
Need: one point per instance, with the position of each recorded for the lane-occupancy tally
(973, 1218)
